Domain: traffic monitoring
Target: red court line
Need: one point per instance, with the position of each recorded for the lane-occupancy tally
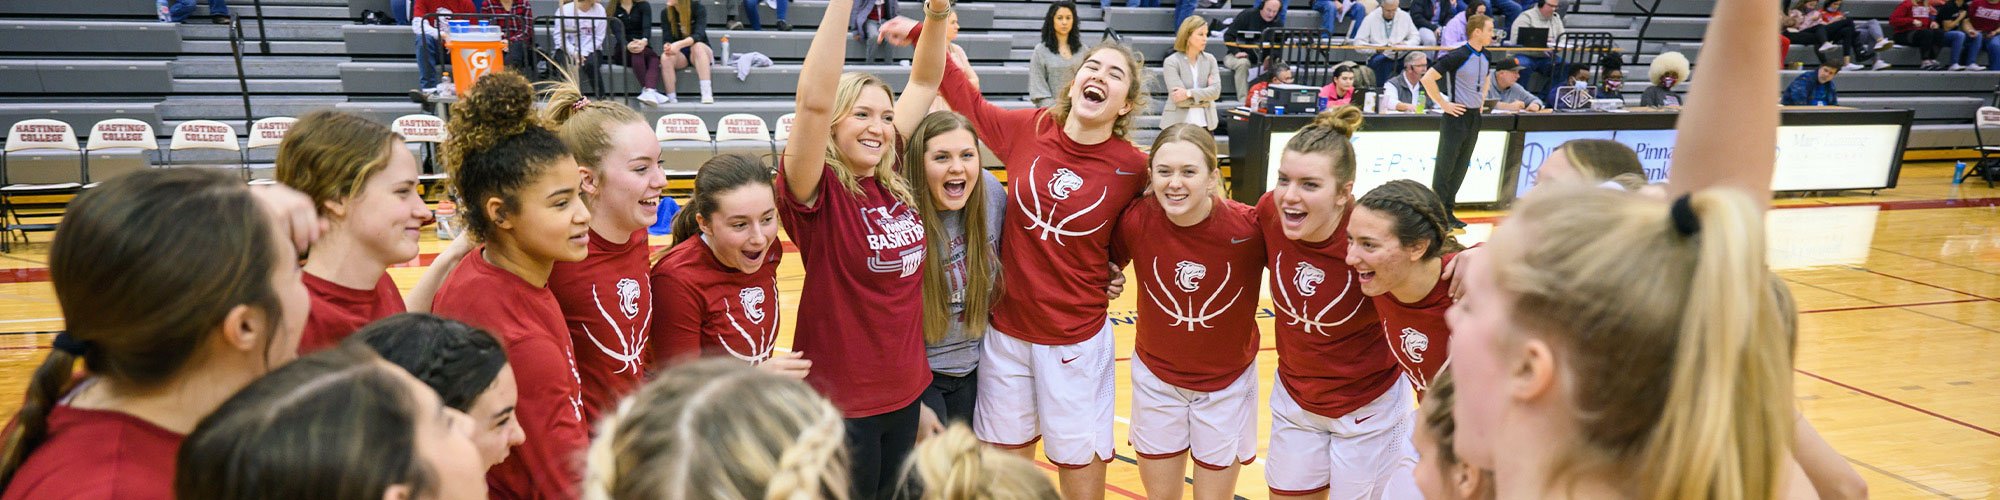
(1107, 484)
(1892, 306)
(1893, 401)
(1900, 278)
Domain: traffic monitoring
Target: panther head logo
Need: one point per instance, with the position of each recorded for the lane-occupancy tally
(1064, 182)
(1414, 344)
(628, 297)
(1308, 278)
(1188, 275)
(753, 301)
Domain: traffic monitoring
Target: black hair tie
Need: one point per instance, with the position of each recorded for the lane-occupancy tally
(70, 344)
(1685, 220)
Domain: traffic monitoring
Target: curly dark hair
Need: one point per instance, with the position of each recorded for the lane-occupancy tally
(495, 146)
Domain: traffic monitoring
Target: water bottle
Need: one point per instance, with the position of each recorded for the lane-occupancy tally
(1958, 173)
(166, 14)
(725, 49)
(1368, 103)
(447, 220)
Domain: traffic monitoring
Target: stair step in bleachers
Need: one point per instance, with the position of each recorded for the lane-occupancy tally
(44, 37)
(780, 46)
(257, 67)
(1941, 136)
(230, 108)
(805, 15)
(71, 9)
(88, 77)
(272, 86)
(279, 47)
(80, 116)
(292, 30)
(782, 79)
(290, 11)
(1161, 20)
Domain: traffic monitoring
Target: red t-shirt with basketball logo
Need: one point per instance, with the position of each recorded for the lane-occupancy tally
(338, 311)
(1064, 199)
(607, 302)
(704, 308)
(1417, 333)
(1331, 357)
(529, 323)
(98, 454)
(1197, 288)
(861, 310)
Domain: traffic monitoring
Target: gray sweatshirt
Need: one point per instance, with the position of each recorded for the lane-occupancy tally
(957, 355)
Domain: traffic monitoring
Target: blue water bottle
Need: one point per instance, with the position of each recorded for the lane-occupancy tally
(1958, 173)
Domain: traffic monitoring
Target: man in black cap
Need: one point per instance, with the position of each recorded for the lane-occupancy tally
(1507, 89)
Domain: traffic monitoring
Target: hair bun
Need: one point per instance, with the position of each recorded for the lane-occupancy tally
(1343, 119)
(499, 106)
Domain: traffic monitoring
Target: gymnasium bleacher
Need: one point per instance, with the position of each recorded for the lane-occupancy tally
(84, 62)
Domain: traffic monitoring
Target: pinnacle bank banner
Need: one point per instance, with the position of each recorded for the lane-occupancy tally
(1380, 157)
(1810, 157)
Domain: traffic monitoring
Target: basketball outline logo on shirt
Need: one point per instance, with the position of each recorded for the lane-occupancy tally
(1414, 344)
(1060, 188)
(630, 350)
(760, 344)
(752, 299)
(1306, 275)
(1188, 275)
(888, 228)
(628, 297)
(1188, 314)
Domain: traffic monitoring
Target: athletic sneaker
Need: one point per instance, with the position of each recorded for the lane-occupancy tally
(1884, 44)
(1851, 67)
(653, 97)
(1956, 67)
(1881, 65)
(784, 26)
(1828, 46)
(1974, 67)
(735, 25)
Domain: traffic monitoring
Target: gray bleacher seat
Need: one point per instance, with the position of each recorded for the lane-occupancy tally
(80, 116)
(98, 37)
(105, 77)
(20, 77)
(806, 14)
(1161, 20)
(73, 8)
(786, 46)
(399, 77)
(1942, 136)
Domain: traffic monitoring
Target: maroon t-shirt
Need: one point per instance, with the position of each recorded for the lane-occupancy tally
(98, 454)
(860, 314)
(704, 308)
(1331, 358)
(607, 302)
(1417, 333)
(338, 311)
(1197, 291)
(529, 323)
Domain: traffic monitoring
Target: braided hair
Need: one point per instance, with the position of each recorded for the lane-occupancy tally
(458, 361)
(719, 429)
(1418, 214)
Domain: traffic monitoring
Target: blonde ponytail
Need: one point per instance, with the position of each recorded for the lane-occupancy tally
(955, 465)
(1676, 361)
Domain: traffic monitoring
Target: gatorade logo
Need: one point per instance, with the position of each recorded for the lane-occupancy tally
(481, 61)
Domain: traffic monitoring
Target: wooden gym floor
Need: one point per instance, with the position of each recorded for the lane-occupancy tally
(1899, 350)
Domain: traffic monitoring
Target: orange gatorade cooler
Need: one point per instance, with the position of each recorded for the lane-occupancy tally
(475, 52)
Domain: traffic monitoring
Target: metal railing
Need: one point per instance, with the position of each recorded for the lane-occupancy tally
(1639, 45)
(236, 52)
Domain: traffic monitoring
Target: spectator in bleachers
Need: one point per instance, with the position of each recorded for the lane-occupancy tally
(1962, 21)
(1814, 89)
(1388, 26)
(1339, 92)
(689, 47)
(1613, 85)
(579, 32)
(1454, 33)
(174, 11)
(1247, 29)
(1869, 38)
(1547, 14)
(1331, 12)
(1805, 25)
(1424, 14)
(1507, 88)
(749, 9)
(637, 17)
(1274, 72)
(1445, 10)
(1193, 82)
(1405, 92)
(1668, 69)
(866, 26)
(958, 58)
(517, 30)
(1508, 10)
(429, 38)
(1916, 25)
(1053, 56)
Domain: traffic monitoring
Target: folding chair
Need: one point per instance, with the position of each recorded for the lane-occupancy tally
(684, 143)
(783, 133)
(110, 152)
(208, 135)
(423, 133)
(52, 168)
(1989, 154)
(744, 132)
(266, 133)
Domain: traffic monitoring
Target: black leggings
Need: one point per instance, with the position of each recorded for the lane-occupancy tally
(1928, 42)
(878, 446)
(952, 397)
(1839, 32)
